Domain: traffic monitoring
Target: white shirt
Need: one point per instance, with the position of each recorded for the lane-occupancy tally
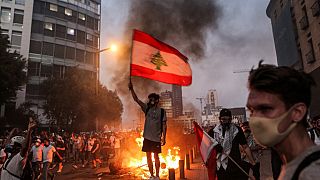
(48, 153)
(117, 143)
(36, 153)
(316, 137)
(112, 138)
(90, 144)
(15, 166)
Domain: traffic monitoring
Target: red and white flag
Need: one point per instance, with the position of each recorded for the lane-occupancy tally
(156, 60)
(208, 153)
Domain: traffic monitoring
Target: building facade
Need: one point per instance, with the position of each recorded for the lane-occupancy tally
(53, 35)
(166, 103)
(302, 18)
(177, 101)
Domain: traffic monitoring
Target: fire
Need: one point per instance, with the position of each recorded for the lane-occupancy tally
(170, 159)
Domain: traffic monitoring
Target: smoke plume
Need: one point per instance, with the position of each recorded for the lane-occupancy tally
(183, 24)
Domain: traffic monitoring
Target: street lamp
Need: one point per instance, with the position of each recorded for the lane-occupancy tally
(112, 48)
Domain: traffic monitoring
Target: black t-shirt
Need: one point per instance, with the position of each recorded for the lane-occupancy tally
(96, 142)
(235, 154)
(60, 144)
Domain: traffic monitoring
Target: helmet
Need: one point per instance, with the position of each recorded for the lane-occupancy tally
(17, 139)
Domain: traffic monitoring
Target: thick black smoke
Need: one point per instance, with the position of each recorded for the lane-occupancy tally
(183, 24)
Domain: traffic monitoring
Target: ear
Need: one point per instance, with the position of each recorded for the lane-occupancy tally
(298, 112)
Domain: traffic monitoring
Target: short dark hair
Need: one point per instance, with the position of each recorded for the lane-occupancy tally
(154, 95)
(290, 85)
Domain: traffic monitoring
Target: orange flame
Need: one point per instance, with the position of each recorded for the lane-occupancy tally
(167, 160)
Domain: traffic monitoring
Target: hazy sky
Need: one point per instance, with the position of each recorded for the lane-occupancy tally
(243, 37)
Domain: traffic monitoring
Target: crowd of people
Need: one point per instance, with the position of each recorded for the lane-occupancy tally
(32, 155)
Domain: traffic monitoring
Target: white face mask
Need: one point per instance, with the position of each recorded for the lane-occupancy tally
(265, 130)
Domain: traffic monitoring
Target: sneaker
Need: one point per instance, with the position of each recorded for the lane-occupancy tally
(59, 171)
(83, 166)
(75, 166)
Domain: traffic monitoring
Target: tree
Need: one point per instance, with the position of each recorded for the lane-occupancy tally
(12, 74)
(158, 60)
(72, 102)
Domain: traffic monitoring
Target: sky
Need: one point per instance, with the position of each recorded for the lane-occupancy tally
(242, 37)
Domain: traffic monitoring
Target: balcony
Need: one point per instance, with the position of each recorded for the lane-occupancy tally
(316, 8)
(310, 57)
(304, 24)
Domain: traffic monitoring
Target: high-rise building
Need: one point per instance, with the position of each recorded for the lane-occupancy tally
(212, 98)
(177, 101)
(53, 35)
(296, 34)
(166, 103)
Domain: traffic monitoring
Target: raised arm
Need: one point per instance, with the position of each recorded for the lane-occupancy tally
(134, 95)
(26, 146)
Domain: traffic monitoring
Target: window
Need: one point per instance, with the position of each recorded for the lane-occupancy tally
(81, 16)
(5, 15)
(37, 27)
(61, 31)
(59, 51)
(53, 7)
(21, 2)
(80, 55)
(49, 29)
(68, 12)
(89, 58)
(18, 16)
(5, 33)
(89, 37)
(16, 38)
(81, 37)
(33, 68)
(70, 53)
(90, 22)
(39, 7)
(310, 58)
(47, 49)
(95, 41)
(70, 31)
(46, 70)
(97, 24)
(58, 71)
(48, 26)
(35, 47)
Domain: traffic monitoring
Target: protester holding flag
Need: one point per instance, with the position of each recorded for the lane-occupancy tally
(154, 131)
(229, 137)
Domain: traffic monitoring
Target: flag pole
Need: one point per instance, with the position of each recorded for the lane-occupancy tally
(131, 57)
(237, 165)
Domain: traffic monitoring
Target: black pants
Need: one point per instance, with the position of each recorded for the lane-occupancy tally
(256, 171)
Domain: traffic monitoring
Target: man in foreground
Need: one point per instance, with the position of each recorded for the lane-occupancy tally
(279, 98)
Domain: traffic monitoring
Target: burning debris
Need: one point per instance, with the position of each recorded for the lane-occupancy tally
(139, 167)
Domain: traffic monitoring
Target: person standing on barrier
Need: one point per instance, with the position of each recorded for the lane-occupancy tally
(155, 128)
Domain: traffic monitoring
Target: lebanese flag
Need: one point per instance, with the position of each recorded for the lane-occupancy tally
(158, 61)
(208, 153)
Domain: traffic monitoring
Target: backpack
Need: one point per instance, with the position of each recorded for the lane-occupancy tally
(27, 173)
(162, 116)
(305, 163)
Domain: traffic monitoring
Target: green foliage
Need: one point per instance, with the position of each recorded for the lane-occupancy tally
(19, 117)
(12, 74)
(75, 101)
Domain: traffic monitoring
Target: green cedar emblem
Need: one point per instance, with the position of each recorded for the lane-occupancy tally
(157, 60)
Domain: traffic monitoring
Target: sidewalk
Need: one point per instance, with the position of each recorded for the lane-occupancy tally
(197, 171)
